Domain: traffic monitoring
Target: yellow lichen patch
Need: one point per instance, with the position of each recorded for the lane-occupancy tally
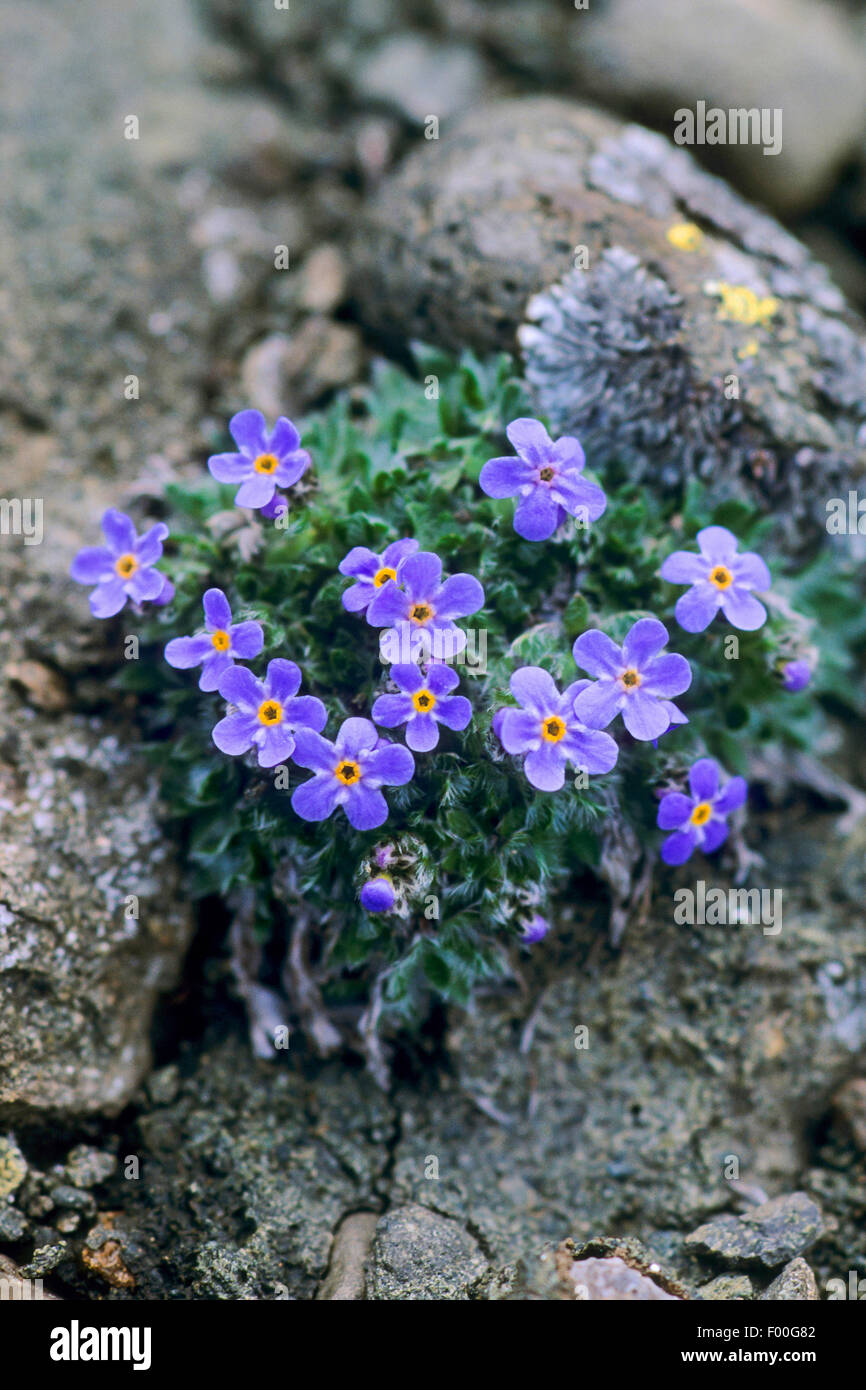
(685, 236)
(13, 1167)
(749, 349)
(739, 304)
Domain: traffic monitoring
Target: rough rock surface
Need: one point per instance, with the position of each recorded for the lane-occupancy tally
(420, 1255)
(767, 1236)
(680, 330)
(795, 1284)
(612, 1279)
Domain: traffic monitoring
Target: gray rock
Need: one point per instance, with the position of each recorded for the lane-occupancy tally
(20, 1286)
(419, 1255)
(691, 335)
(796, 1283)
(88, 1167)
(766, 1236)
(418, 76)
(727, 1288)
(346, 1277)
(612, 1279)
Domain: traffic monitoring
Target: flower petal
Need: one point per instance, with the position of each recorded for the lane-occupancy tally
(356, 736)
(185, 652)
(422, 733)
(240, 687)
(535, 689)
(276, 746)
(454, 711)
(217, 613)
(144, 585)
(503, 477)
(249, 432)
(229, 468)
(391, 764)
(391, 710)
(715, 834)
(545, 767)
(108, 598)
(732, 795)
(235, 733)
(284, 438)
(91, 563)
(307, 712)
(213, 668)
(459, 596)
(118, 531)
(674, 810)
(742, 609)
(247, 639)
(316, 799)
(697, 607)
(596, 653)
(394, 554)
(283, 679)
(683, 567)
(442, 679)
(316, 753)
(530, 439)
(718, 544)
(148, 548)
(408, 677)
(704, 779)
(591, 749)
(644, 717)
(750, 572)
(518, 730)
(359, 562)
(644, 641)
(258, 489)
(390, 605)
(366, 807)
(667, 675)
(598, 704)
(536, 517)
(420, 574)
(359, 596)
(678, 848)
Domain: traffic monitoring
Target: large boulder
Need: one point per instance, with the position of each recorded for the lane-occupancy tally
(672, 326)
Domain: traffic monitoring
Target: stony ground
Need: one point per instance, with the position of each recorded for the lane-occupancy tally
(706, 1135)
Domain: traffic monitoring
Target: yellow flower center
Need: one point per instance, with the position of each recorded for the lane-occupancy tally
(221, 640)
(546, 475)
(383, 575)
(721, 576)
(348, 772)
(630, 678)
(423, 700)
(266, 463)
(125, 566)
(420, 613)
(271, 712)
(553, 729)
(701, 814)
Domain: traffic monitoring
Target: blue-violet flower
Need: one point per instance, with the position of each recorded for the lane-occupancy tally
(215, 649)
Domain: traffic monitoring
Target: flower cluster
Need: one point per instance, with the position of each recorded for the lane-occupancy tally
(402, 592)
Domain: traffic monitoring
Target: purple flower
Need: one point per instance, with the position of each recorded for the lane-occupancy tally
(265, 461)
(424, 704)
(421, 613)
(267, 716)
(377, 895)
(215, 649)
(796, 675)
(633, 679)
(535, 929)
(699, 820)
(123, 568)
(372, 572)
(719, 579)
(349, 773)
(547, 730)
(547, 478)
